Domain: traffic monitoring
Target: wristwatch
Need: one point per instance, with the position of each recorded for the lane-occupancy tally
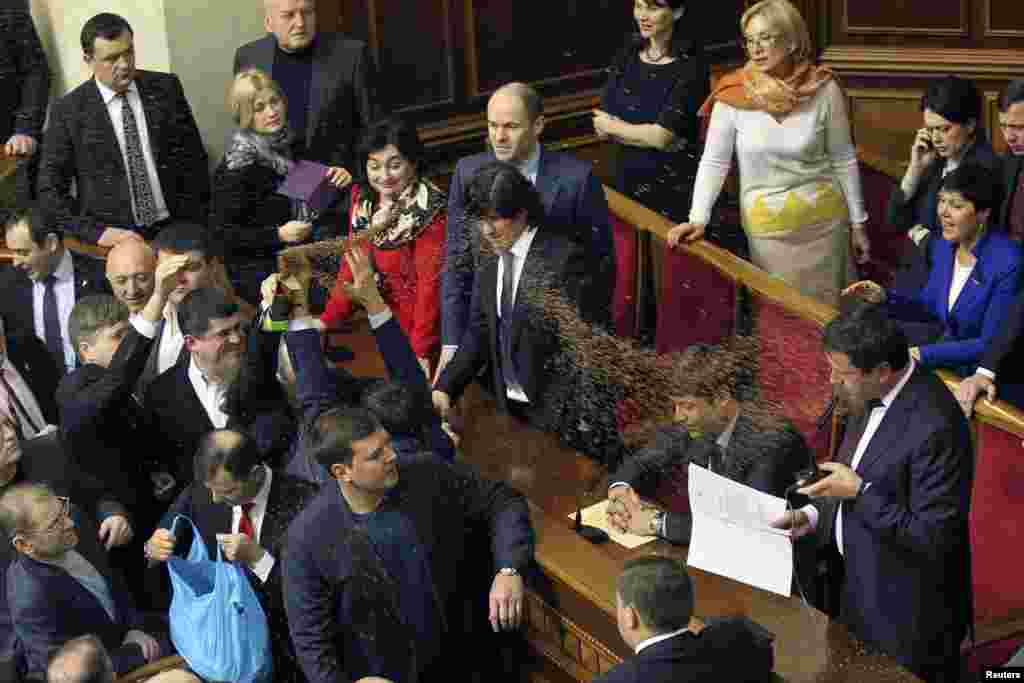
(862, 488)
(508, 571)
(657, 525)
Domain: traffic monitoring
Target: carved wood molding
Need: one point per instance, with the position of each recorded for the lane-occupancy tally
(961, 30)
(923, 62)
(998, 32)
(564, 643)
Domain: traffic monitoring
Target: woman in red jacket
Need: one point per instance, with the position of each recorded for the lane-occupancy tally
(407, 253)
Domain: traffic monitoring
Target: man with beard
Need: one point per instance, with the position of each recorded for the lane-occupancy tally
(892, 512)
(223, 384)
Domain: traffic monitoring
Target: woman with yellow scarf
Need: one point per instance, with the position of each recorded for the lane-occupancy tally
(786, 121)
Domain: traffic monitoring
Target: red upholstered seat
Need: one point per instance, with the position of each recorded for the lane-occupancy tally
(624, 301)
(696, 303)
(793, 370)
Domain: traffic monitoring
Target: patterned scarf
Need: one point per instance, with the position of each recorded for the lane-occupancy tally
(249, 147)
(750, 88)
(413, 211)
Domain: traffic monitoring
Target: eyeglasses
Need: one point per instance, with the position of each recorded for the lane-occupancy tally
(765, 40)
(56, 525)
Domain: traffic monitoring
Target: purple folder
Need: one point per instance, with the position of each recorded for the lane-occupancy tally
(308, 181)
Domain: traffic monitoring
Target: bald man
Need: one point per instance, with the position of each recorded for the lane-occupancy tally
(574, 205)
(327, 78)
(131, 266)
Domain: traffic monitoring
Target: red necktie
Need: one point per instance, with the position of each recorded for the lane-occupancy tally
(245, 525)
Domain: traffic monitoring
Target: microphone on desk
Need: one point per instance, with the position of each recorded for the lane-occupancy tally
(812, 473)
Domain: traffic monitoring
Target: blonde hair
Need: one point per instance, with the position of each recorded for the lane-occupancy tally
(244, 89)
(784, 17)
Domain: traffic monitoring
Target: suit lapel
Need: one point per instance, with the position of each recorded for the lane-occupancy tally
(894, 428)
(155, 114)
(191, 403)
(532, 279)
(320, 85)
(548, 182)
(1013, 165)
(107, 144)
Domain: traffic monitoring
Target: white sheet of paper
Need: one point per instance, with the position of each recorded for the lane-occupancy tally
(732, 536)
(596, 515)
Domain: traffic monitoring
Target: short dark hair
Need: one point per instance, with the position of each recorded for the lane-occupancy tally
(955, 99)
(40, 220)
(499, 188)
(202, 305)
(976, 183)
(660, 590)
(868, 337)
(93, 664)
(92, 314)
(394, 130)
(714, 371)
(232, 450)
(181, 237)
(105, 25)
(330, 436)
(1012, 94)
(398, 407)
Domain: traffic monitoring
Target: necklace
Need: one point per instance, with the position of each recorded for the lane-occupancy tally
(650, 54)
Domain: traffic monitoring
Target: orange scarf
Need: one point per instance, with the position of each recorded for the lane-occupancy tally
(748, 88)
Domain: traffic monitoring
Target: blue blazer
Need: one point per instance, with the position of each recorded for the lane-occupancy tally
(574, 206)
(979, 310)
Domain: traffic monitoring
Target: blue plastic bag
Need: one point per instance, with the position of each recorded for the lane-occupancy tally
(217, 623)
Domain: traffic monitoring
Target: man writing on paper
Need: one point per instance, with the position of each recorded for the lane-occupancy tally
(892, 512)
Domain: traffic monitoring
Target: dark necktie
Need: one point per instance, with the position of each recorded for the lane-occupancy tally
(508, 299)
(19, 415)
(245, 525)
(854, 431)
(142, 193)
(51, 322)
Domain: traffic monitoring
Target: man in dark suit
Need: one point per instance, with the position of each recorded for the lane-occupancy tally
(893, 511)
(45, 282)
(516, 340)
(573, 202)
(43, 460)
(745, 441)
(385, 594)
(60, 585)
(128, 142)
(654, 606)
(25, 82)
(29, 383)
(327, 78)
(243, 506)
(1003, 355)
(227, 381)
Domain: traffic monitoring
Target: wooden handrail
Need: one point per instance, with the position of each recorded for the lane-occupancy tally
(998, 414)
(152, 669)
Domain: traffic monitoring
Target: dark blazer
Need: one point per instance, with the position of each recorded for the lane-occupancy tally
(922, 208)
(45, 461)
(81, 148)
(553, 262)
(101, 421)
(288, 497)
(724, 651)
(36, 366)
(24, 76)
(176, 420)
(342, 96)
(49, 607)
(980, 309)
(1012, 165)
(339, 598)
(574, 206)
(149, 370)
(766, 461)
(907, 587)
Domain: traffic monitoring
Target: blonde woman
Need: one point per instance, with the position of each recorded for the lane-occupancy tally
(251, 220)
(786, 120)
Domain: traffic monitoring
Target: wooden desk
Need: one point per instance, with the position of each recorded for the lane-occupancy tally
(571, 615)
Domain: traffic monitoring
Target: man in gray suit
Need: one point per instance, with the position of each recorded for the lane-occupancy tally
(327, 78)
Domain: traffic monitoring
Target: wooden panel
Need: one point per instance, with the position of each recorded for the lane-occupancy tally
(885, 121)
(1004, 18)
(932, 17)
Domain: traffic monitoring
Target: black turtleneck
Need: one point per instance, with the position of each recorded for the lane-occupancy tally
(293, 71)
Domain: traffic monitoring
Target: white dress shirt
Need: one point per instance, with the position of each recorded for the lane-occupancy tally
(172, 341)
(64, 288)
(210, 395)
(531, 166)
(258, 512)
(519, 251)
(657, 639)
(874, 422)
(113, 103)
(28, 401)
(956, 285)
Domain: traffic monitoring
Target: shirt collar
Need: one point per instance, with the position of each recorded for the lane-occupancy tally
(657, 639)
(891, 396)
(65, 270)
(108, 94)
(196, 374)
(260, 501)
(726, 436)
(522, 245)
(531, 166)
